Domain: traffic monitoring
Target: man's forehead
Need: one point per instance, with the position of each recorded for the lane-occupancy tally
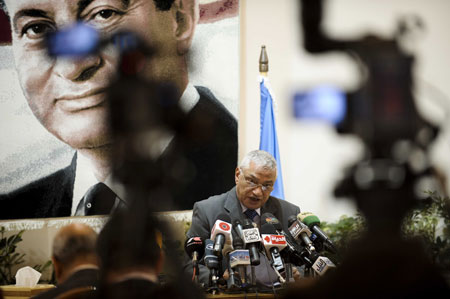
(256, 170)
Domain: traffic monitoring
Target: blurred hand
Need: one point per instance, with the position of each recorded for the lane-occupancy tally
(296, 273)
(226, 275)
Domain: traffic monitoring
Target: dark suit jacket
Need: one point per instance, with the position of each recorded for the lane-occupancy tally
(213, 157)
(205, 214)
(81, 278)
(130, 288)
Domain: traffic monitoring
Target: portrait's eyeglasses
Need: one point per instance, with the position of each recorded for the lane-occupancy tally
(252, 184)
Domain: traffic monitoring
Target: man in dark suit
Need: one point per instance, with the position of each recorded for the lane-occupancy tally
(74, 259)
(68, 97)
(130, 248)
(250, 198)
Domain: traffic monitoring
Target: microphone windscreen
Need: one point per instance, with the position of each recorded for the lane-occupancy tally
(237, 242)
(308, 218)
(268, 229)
(247, 223)
(194, 244)
(269, 218)
(291, 220)
(224, 217)
(236, 222)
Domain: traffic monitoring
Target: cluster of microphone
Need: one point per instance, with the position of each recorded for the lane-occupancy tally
(241, 245)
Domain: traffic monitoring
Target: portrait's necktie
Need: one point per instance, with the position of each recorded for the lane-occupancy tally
(98, 200)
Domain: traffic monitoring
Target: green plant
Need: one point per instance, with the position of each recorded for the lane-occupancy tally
(430, 222)
(8, 256)
(342, 232)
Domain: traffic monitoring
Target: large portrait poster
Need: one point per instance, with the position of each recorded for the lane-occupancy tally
(53, 131)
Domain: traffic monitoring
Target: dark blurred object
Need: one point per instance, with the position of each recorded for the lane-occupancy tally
(382, 112)
(377, 266)
(79, 40)
(322, 103)
(130, 248)
(5, 31)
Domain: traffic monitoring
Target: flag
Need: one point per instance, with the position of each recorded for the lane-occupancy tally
(268, 139)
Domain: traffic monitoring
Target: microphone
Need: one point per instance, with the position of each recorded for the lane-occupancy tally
(313, 222)
(273, 244)
(294, 252)
(212, 263)
(252, 240)
(322, 265)
(298, 229)
(239, 259)
(195, 249)
(221, 234)
(237, 226)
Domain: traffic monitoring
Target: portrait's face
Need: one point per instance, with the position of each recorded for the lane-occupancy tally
(68, 95)
(254, 184)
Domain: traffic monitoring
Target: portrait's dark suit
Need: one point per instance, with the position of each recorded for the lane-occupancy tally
(205, 214)
(213, 157)
(81, 278)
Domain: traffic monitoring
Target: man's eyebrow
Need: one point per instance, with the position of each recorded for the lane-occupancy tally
(27, 13)
(82, 4)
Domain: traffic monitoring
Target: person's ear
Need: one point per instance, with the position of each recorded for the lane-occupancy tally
(58, 269)
(185, 14)
(237, 173)
(160, 262)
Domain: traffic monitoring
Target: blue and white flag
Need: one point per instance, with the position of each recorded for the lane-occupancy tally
(268, 139)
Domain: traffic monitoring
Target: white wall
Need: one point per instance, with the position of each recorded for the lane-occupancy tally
(313, 155)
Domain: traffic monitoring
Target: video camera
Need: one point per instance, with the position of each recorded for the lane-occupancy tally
(381, 112)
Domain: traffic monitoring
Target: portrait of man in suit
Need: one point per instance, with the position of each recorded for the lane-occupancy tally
(68, 97)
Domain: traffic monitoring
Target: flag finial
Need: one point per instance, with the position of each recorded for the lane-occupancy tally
(263, 60)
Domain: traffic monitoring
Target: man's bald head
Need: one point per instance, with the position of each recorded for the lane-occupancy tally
(74, 244)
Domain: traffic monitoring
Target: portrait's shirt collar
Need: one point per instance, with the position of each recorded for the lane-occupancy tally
(189, 98)
(85, 179)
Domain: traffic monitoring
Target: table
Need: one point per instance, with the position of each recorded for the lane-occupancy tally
(17, 292)
(238, 296)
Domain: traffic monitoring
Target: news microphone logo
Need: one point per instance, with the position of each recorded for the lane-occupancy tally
(322, 265)
(251, 235)
(271, 220)
(239, 257)
(225, 226)
(209, 246)
(275, 239)
(221, 226)
(195, 240)
(295, 229)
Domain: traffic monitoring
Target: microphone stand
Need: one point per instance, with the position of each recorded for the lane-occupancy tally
(196, 271)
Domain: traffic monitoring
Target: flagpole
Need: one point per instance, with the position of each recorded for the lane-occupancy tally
(268, 134)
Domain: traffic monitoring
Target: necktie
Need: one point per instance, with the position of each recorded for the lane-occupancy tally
(250, 214)
(98, 200)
